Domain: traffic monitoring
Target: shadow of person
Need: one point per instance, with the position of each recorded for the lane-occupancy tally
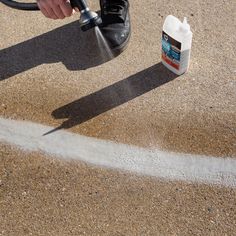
(94, 104)
(66, 44)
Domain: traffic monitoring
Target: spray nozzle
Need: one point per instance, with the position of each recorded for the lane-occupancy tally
(185, 27)
(88, 18)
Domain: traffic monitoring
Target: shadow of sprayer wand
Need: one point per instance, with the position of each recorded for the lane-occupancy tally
(65, 125)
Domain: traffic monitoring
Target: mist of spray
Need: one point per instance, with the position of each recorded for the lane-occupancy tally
(105, 50)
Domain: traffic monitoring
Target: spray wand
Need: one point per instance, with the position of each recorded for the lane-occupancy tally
(88, 19)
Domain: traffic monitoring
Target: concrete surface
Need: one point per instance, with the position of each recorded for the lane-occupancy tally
(51, 73)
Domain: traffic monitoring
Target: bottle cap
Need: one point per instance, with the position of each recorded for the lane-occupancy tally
(185, 27)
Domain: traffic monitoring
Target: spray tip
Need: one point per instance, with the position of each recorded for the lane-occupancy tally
(185, 21)
(185, 26)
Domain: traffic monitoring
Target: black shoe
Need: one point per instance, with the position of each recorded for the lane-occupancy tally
(115, 26)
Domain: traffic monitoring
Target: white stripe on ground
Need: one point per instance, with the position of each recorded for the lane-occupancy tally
(165, 165)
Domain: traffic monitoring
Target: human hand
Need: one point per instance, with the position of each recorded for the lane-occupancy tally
(55, 9)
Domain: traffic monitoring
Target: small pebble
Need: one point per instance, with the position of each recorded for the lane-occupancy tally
(209, 209)
(4, 106)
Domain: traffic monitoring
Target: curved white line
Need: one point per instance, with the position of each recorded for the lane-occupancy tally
(170, 166)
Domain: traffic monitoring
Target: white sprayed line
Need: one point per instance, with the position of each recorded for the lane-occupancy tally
(165, 165)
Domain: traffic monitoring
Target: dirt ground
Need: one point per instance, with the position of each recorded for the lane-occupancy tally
(52, 73)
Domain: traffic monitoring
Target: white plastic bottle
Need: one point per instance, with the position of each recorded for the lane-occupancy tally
(176, 44)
